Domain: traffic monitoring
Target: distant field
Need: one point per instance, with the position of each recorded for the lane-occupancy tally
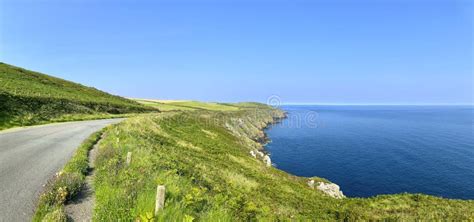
(182, 105)
(29, 98)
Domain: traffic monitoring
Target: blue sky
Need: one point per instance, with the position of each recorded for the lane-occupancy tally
(342, 52)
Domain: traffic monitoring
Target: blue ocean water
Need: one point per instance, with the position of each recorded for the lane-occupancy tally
(371, 150)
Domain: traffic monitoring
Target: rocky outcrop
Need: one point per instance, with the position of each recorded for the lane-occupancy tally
(257, 154)
(250, 127)
(267, 160)
(252, 153)
(330, 189)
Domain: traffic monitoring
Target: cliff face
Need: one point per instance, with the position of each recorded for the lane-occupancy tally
(250, 127)
(251, 124)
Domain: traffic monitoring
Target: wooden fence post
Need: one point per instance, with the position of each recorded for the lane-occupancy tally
(129, 158)
(160, 198)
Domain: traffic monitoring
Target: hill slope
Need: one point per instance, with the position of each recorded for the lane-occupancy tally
(28, 98)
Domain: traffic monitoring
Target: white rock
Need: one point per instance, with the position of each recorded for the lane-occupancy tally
(253, 154)
(267, 161)
(331, 189)
(311, 183)
(260, 154)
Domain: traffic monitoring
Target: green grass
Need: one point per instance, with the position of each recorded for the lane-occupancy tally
(30, 98)
(165, 107)
(206, 106)
(202, 157)
(66, 184)
(199, 151)
(188, 105)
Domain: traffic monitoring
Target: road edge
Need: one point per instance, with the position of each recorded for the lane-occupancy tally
(67, 183)
(54, 123)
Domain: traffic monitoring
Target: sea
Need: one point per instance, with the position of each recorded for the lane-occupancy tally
(374, 150)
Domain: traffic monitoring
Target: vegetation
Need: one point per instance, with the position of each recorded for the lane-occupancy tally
(29, 98)
(199, 151)
(164, 105)
(66, 184)
(202, 157)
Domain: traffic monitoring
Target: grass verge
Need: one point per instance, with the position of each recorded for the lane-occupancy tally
(66, 184)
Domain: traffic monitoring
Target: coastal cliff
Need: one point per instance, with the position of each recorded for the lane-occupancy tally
(251, 127)
(204, 158)
(250, 124)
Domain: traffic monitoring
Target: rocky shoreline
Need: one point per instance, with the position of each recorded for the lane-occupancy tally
(264, 139)
(330, 189)
(252, 127)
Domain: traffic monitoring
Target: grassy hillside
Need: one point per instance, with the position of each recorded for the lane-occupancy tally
(202, 157)
(28, 98)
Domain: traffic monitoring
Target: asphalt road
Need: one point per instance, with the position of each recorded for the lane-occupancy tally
(31, 156)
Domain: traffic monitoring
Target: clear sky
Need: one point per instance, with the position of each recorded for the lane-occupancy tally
(332, 51)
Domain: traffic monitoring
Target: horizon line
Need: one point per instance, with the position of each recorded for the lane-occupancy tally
(321, 104)
(380, 104)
